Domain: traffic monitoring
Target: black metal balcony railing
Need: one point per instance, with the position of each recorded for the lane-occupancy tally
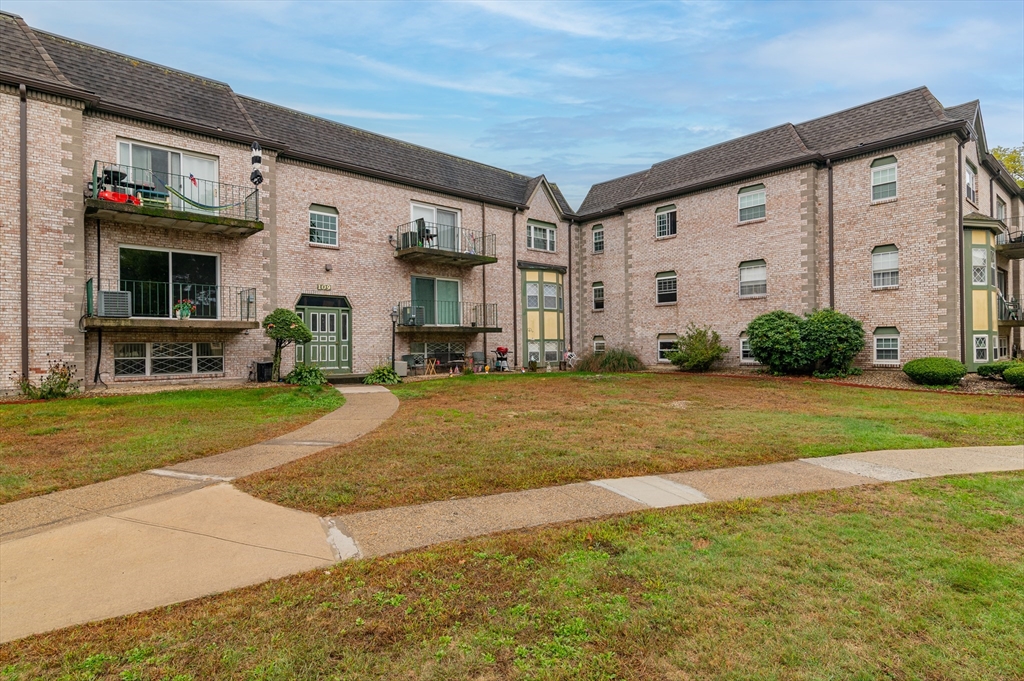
(1010, 310)
(450, 238)
(156, 299)
(143, 187)
(448, 313)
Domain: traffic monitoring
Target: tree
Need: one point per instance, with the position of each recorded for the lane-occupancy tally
(1013, 159)
(285, 327)
(775, 341)
(698, 349)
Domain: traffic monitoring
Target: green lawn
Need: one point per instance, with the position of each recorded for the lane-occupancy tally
(480, 435)
(913, 580)
(46, 446)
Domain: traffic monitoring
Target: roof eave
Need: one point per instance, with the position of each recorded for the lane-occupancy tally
(48, 87)
(410, 182)
(959, 127)
(607, 212)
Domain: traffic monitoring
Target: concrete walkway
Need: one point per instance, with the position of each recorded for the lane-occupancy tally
(183, 532)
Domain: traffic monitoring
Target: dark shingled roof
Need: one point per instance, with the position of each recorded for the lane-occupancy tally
(912, 113)
(319, 139)
(964, 112)
(141, 86)
(18, 54)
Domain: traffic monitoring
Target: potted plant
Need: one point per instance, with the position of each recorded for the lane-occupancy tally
(184, 308)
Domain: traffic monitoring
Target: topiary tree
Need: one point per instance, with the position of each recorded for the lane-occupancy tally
(775, 341)
(285, 327)
(697, 349)
(831, 341)
(1014, 375)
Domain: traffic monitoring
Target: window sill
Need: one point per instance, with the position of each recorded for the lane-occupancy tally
(666, 304)
(880, 202)
(756, 296)
(886, 365)
(328, 246)
(667, 236)
(597, 310)
(750, 363)
(167, 377)
(540, 250)
(598, 253)
(968, 200)
(751, 222)
(894, 287)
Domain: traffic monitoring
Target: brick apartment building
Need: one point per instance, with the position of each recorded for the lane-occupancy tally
(125, 188)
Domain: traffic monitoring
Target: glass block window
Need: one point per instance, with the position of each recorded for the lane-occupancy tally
(532, 295)
(171, 358)
(129, 359)
(887, 345)
(883, 178)
(665, 221)
(598, 290)
(323, 227)
(752, 203)
(666, 344)
(885, 267)
(599, 345)
(981, 348)
(979, 266)
(666, 287)
(540, 237)
(209, 358)
(598, 239)
(753, 278)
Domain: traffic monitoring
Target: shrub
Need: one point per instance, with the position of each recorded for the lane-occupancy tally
(59, 382)
(994, 369)
(383, 374)
(935, 371)
(306, 374)
(1014, 375)
(831, 340)
(613, 360)
(697, 349)
(285, 327)
(775, 341)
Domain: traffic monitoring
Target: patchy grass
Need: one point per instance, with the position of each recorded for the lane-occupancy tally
(487, 434)
(914, 580)
(47, 446)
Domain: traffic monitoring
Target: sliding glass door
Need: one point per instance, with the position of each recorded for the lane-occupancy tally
(439, 299)
(160, 279)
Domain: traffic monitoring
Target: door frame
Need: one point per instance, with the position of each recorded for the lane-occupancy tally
(343, 308)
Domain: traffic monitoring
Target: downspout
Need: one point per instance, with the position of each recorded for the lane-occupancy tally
(515, 296)
(831, 243)
(960, 242)
(99, 334)
(483, 268)
(23, 181)
(569, 280)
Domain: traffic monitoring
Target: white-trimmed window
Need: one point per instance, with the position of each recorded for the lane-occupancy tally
(752, 203)
(883, 178)
(979, 266)
(597, 288)
(1000, 209)
(323, 225)
(598, 239)
(885, 267)
(746, 356)
(540, 237)
(599, 345)
(665, 221)
(1003, 347)
(153, 172)
(753, 279)
(168, 359)
(552, 296)
(981, 348)
(666, 344)
(887, 345)
(971, 182)
(665, 286)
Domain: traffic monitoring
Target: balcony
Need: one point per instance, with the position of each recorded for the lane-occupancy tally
(430, 317)
(420, 241)
(1010, 312)
(150, 305)
(1011, 243)
(139, 196)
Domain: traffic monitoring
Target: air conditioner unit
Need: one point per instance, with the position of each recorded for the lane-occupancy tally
(414, 315)
(114, 304)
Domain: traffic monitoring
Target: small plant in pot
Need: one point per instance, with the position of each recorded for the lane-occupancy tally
(184, 308)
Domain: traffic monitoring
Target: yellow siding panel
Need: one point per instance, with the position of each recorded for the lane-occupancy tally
(532, 275)
(980, 304)
(551, 277)
(979, 237)
(550, 325)
(533, 325)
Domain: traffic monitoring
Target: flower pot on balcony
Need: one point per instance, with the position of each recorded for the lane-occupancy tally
(184, 314)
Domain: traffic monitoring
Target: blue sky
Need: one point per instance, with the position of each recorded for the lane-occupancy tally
(580, 91)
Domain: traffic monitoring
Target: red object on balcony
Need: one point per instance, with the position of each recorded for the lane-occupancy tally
(118, 197)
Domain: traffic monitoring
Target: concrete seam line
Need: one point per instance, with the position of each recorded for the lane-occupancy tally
(198, 477)
(683, 490)
(605, 484)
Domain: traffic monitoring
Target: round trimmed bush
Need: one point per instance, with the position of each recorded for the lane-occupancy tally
(994, 369)
(775, 341)
(935, 371)
(831, 341)
(1015, 375)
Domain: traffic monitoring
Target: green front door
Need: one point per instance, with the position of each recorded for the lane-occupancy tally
(330, 348)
